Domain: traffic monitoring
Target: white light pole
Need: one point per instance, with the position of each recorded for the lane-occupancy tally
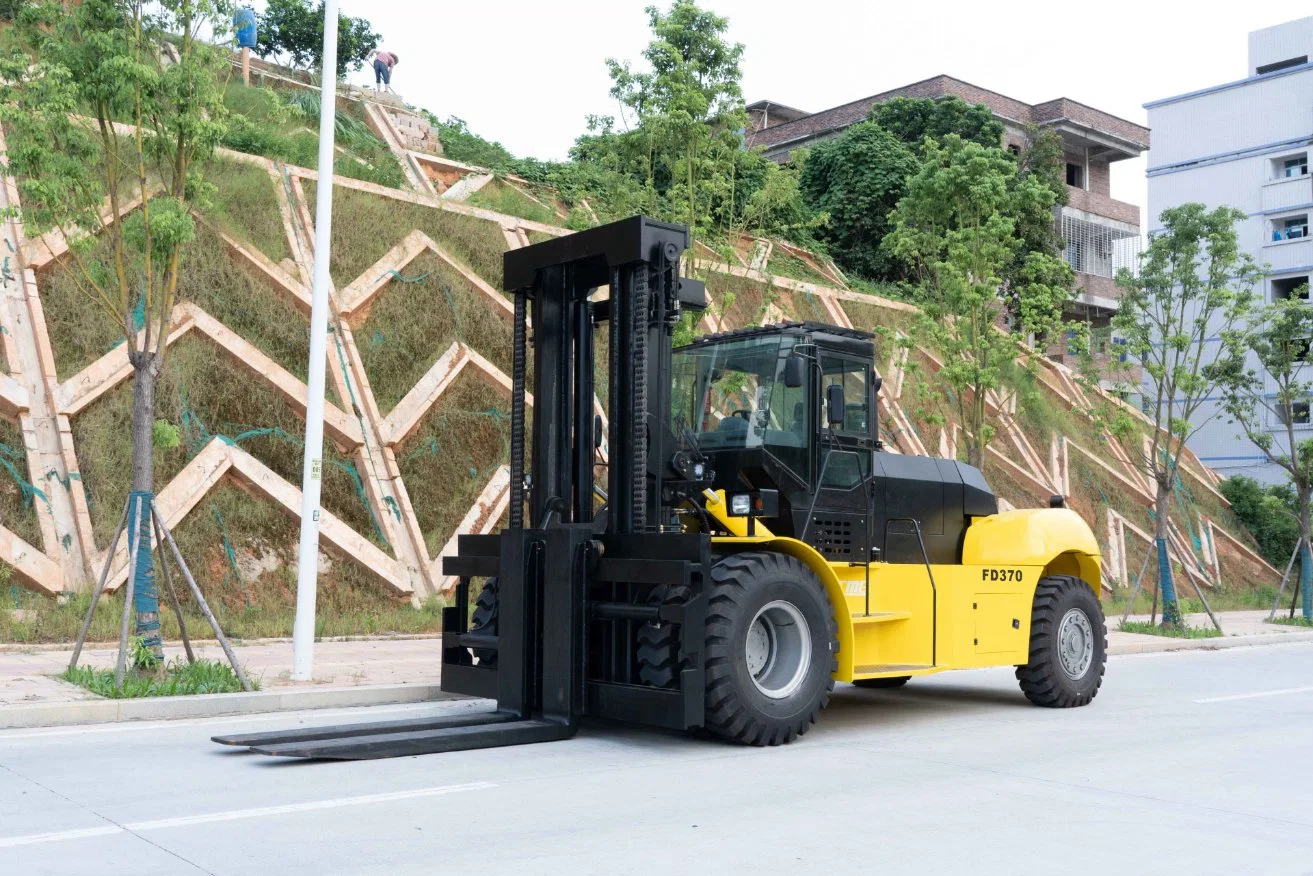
(307, 561)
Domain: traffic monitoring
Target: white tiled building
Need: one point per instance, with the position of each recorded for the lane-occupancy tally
(1245, 144)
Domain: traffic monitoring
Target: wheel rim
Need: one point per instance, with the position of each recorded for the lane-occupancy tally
(778, 649)
(1075, 644)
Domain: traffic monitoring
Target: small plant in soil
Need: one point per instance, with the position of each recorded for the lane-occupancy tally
(1292, 621)
(151, 677)
(1176, 631)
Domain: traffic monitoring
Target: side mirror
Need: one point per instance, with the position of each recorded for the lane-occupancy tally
(795, 372)
(834, 405)
(876, 383)
(597, 431)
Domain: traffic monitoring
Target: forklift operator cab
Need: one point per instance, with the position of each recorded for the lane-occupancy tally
(793, 407)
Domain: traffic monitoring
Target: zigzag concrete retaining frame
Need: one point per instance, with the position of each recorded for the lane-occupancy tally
(409, 570)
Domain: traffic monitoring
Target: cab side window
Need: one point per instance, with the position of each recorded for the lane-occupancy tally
(854, 376)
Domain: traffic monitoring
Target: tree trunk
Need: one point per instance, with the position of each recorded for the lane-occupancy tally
(975, 453)
(146, 604)
(1162, 514)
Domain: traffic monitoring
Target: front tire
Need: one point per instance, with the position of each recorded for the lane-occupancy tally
(770, 649)
(1068, 645)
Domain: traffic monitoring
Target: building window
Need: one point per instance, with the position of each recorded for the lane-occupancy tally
(1290, 287)
(1297, 166)
(1281, 65)
(1075, 175)
(1299, 414)
(1292, 228)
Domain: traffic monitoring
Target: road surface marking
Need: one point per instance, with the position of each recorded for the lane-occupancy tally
(1254, 696)
(235, 814)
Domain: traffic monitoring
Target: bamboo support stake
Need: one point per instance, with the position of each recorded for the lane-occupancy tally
(173, 594)
(1135, 591)
(1199, 591)
(100, 588)
(134, 537)
(205, 610)
(1281, 588)
(1153, 611)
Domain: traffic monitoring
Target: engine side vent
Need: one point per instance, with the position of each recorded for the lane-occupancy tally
(833, 537)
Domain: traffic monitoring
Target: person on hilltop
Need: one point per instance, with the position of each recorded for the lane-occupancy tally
(383, 64)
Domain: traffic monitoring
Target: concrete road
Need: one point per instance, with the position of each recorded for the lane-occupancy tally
(1193, 763)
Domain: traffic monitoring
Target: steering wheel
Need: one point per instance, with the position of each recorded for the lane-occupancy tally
(746, 416)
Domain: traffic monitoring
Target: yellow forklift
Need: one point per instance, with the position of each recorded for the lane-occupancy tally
(754, 543)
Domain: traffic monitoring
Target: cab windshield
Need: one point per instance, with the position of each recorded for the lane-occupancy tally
(732, 395)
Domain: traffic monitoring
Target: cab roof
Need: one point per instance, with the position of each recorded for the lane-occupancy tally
(818, 332)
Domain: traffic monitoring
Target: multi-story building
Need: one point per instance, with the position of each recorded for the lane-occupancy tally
(1102, 234)
(1246, 144)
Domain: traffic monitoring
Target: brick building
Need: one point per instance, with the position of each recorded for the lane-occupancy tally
(1102, 234)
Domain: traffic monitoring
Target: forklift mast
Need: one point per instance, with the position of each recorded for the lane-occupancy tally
(638, 259)
(572, 592)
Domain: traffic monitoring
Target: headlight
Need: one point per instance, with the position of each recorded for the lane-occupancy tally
(740, 505)
(699, 470)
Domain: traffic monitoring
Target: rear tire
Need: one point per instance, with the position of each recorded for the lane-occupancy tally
(659, 657)
(770, 649)
(484, 620)
(1068, 645)
(882, 683)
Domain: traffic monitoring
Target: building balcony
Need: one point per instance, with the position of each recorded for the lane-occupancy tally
(1096, 299)
(1097, 248)
(1287, 193)
(1287, 254)
(1103, 206)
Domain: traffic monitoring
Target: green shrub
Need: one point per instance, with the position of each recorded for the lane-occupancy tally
(176, 678)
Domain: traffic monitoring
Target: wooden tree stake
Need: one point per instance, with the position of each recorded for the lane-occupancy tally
(100, 588)
(205, 609)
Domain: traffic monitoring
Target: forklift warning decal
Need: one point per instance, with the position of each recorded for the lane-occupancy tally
(1001, 575)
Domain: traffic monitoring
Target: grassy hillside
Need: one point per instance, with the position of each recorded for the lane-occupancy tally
(242, 546)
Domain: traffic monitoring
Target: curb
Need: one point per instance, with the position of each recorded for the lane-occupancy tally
(1222, 643)
(102, 711)
(20, 647)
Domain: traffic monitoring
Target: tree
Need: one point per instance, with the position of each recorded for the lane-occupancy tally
(1193, 284)
(105, 57)
(957, 229)
(913, 119)
(295, 29)
(856, 181)
(1269, 513)
(688, 111)
(1276, 342)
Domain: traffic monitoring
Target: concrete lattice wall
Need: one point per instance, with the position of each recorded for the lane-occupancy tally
(42, 406)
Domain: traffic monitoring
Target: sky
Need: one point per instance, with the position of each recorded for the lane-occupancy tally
(528, 74)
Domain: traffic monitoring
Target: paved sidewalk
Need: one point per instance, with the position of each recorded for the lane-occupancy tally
(27, 675)
(390, 670)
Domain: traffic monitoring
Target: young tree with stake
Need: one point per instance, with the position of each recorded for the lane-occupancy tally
(957, 229)
(1278, 339)
(687, 106)
(95, 118)
(1194, 284)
